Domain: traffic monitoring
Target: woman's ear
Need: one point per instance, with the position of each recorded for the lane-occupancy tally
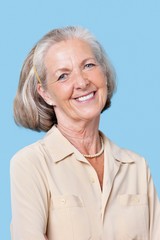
(44, 94)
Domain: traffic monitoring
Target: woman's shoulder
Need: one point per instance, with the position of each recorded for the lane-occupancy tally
(37, 150)
(123, 154)
(30, 154)
(132, 159)
(126, 153)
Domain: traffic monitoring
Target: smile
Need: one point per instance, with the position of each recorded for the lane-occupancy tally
(86, 97)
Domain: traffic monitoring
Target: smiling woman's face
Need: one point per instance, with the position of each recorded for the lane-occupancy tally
(76, 83)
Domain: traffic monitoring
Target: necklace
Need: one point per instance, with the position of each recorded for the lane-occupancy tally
(96, 154)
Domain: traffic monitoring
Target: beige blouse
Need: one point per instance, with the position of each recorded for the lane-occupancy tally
(56, 192)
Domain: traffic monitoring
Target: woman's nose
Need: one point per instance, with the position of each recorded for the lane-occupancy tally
(81, 80)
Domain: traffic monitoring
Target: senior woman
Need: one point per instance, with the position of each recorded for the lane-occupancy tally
(75, 184)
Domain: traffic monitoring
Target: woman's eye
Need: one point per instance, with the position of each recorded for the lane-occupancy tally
(89, 65)
(62, 76)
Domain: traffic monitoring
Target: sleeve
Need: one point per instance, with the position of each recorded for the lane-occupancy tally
(154, 210)
(29, 199)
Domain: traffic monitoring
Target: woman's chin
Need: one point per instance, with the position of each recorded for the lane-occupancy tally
(89, 115)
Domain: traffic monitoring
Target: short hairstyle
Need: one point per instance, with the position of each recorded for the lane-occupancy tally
(30, 110)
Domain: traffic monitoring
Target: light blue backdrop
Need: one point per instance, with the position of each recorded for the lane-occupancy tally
(130, 33)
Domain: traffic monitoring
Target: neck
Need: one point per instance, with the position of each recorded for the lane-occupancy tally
(84, 137)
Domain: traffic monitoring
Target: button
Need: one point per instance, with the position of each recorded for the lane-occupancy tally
(135, 199)
(63, 200)
(92, 180)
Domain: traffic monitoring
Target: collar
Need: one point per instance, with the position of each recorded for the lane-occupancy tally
(59, 148)
(121, 155)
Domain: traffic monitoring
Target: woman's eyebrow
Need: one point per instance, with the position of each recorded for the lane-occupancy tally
(61, 69)
(88, 59)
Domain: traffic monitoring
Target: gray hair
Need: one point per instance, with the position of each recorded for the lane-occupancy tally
(30, 110)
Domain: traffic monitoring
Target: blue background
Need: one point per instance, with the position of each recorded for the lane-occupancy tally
(130, 33)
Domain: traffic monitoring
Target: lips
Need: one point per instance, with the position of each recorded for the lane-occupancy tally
(86, 97)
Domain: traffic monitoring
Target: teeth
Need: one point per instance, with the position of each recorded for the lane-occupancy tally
(84, 98)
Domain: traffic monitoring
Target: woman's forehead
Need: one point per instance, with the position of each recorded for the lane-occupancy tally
(68, 51)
